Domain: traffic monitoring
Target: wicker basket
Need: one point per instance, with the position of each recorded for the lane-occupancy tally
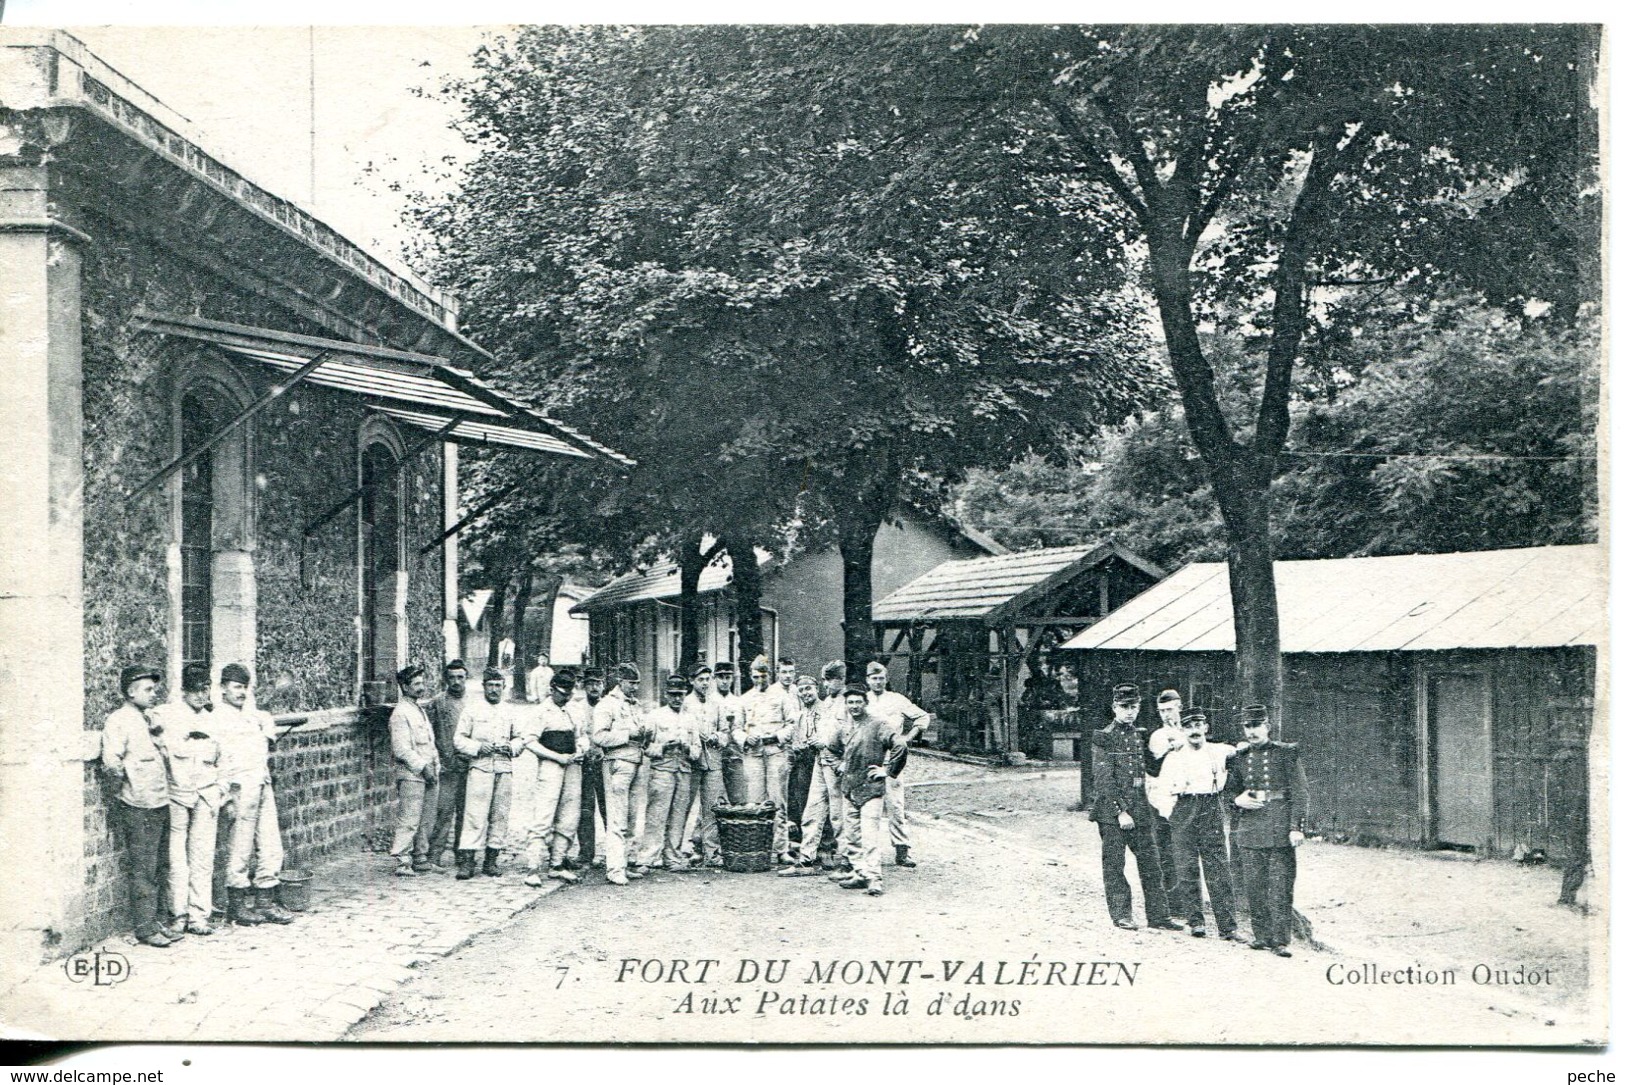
(747, 837)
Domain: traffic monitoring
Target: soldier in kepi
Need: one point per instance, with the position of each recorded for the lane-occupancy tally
(193, 758)
(133, 758)
(1268, 788)
(245, 736)
(489, 734)
(1124, 815)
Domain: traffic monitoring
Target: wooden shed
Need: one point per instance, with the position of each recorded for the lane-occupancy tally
(977, 635)
(1440, 699)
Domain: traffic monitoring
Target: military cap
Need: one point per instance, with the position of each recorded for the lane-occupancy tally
(676, 683)
(875, 667)
(1193, 715)
(835, 668)
(1254, 714)
(760, 665)
(725, 667)
(493, 675)
(783, 660)
(1168, 696)
(1127, 693)
(807, 680)
(130, 675)
(628, 672)
(403, 676)
(454, 665)
(195, 678)
(698, 669)
(592, 674)
(236, 672)
(855, 690)
(563, 680)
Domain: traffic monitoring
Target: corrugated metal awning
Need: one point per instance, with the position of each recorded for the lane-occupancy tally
(1535, 597)
(419, 389)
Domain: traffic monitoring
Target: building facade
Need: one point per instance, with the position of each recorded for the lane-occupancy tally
(231, 437)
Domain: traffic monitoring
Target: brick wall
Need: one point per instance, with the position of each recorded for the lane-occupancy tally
(334, 786)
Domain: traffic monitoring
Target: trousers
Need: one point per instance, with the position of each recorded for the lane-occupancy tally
(1142, 841)
(486, 807)
(1271, 874)
(256, 839)
(798, 787)
(707, 790)
(594, 805)
(665, 816)
(766, 772)
(191, 860)
(824, 803)
(622, 792)
(448, 814)
(143, 831)
(1199, 852)
(1172, 885)
(897, 811)
(542, 813)
(865, 847)
(418, 808)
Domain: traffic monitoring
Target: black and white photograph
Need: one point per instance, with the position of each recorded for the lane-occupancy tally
(804, 533)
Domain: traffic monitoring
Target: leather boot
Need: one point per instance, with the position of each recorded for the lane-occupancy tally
(265, 901)
(241, 908)
(902, 857)
(465, 864)
(490, 869)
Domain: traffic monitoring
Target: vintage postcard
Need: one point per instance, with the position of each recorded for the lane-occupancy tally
(734, 534)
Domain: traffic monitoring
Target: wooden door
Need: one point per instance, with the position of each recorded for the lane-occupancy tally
(1459, 712)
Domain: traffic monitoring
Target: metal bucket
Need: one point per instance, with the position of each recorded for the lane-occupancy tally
(294, 892)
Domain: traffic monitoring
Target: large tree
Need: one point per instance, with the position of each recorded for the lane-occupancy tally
(766, 263)
(1272, 177)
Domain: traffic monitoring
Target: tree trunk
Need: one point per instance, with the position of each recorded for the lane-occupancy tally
(690, 564)
(493, 625)
(521, 646)
(542, 635)
(857, 591)
(1255, 612)
(741, 546)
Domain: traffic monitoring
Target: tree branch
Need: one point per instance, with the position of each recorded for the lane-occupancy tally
(1095, 162)
(1134, 151)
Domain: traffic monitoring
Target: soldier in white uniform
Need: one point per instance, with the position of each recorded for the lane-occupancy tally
(671, 754)
(618, 730)
(818, 730)
(1161, 742)
(910, 721)
(551, 820)
(193, 759)
(489, 734)
(703, 709)
(245, 736)
(762, 734)
(417, 776)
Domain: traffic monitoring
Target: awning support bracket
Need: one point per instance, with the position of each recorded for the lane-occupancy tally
(480, 510)
(231, 427)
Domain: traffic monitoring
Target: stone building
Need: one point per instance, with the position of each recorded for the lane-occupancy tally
(229, 435)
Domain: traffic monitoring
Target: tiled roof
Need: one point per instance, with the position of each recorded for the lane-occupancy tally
(1538, 597)
(974, 588)
(658, 581)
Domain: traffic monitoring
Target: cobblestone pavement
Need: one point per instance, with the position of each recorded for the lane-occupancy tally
(364, 934)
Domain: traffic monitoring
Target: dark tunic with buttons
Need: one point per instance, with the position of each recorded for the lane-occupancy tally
(1118, 760)
(1271, 767)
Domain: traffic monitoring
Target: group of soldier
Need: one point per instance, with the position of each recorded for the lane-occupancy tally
(479, 775)
(1192, 811)
(189, 773)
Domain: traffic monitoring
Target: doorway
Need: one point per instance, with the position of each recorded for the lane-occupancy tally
(1459, 721)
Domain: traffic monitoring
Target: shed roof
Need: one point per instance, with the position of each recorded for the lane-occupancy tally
(1536, 597)
(658, 581)
(990, 588)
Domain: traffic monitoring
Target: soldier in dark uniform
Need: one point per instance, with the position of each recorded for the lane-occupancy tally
(1124, 815)
(1271, 796)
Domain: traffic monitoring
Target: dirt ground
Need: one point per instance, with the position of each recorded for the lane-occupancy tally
(1001, 935)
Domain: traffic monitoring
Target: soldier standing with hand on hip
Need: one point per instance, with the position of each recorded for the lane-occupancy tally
(1268, 787)
(245, 736)
(1124, 815)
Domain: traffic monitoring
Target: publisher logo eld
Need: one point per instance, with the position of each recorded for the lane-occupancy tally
(102, 968)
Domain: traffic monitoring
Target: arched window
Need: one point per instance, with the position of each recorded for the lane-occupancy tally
(383, 578)
(214, 607)
(196, 534)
